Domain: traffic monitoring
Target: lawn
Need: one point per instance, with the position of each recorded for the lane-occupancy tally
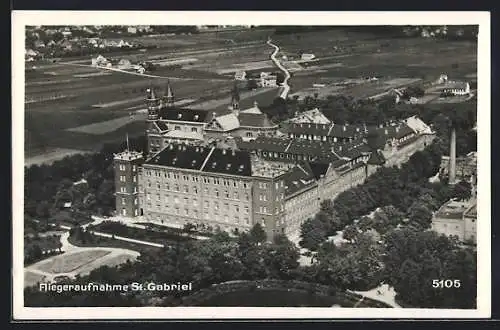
(70, 261)
(99, 241)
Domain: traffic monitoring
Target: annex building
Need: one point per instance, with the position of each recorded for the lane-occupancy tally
(233, 170)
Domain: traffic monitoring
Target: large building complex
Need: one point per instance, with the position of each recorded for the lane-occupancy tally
(458, 219)
(234, 169)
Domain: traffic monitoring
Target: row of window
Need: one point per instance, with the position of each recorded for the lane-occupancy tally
(124, 190)
(194, 178)
(124, 168)
(123, 178)
(194, 190)
(124, 201)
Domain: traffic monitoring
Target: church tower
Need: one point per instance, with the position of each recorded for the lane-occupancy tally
(154, 105)
(235, 99)
(169, 96)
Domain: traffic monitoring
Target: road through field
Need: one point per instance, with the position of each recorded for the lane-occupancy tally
(286, 87)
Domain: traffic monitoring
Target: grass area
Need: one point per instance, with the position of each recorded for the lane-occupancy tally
(154, 235)
(71, 261)
(98, 241)
(31, 278)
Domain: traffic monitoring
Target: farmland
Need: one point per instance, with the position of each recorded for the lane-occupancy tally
(71, 106)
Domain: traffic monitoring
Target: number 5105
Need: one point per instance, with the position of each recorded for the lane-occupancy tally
(446, 284)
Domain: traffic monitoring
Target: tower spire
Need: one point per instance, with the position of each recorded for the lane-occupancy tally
(235, 97)
(169, 95)
(128, 146)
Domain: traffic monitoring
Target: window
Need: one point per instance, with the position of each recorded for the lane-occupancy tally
(194, 129)
(185, 200)
(136, 201)
(246, 209)
(122, 178)
(135, 178)
(205, 191)
(226, 206)
(235, 195)
(195, 189)
(124, 212)
(237, 208)
(277, 185)
(186, 190)
(216, 205)
(207, 204)
(177, 128)
(158, 197)
(186, 212)
(176, 200)
(136, 212)
(265, 209)
(206, 216)
(226, 193)
(167, 186)
(246, 197)
(195, 202)
(123, 201)
(122, 167)
(158, 185)
(236, 219)
(176, 187)
(247, 220)
(148, 197)
(216, 193)
(249, 134)
(244, 185)
(134, 168)
(166, 199)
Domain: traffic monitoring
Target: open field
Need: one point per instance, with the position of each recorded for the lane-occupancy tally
(87, 95)
(108, 126)
(71, 261)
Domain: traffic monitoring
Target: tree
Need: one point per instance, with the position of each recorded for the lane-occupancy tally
(257, 233)
(420, 215)
(350, 232)
(281, 258)
(462, 191)
(312, 233)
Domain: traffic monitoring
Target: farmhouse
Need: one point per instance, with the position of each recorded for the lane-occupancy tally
(456, 88)
(240, 75)
(99, 61)
(314, 116)
(268, 80)
(307, 57)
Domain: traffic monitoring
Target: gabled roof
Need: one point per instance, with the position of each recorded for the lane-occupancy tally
(161, 126)
(228, 122)
(254, 120)
(297, 179)
(376, 158)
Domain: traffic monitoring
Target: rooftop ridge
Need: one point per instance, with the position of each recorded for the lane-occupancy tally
(206, 159)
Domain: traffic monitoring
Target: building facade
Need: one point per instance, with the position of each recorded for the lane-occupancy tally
(278, 182)
(457, 219)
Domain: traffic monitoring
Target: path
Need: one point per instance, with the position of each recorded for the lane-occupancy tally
(383, 293)
(286, 87)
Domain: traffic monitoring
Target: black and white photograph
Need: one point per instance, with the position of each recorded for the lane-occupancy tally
(330, 164)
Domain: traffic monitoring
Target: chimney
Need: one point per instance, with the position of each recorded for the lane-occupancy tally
(386, 132)
(453, 156)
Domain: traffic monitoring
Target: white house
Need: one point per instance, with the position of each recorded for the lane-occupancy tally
(240, 75)
(99, 61)
(268, 80)
(307, 57)
(132, 29)
(457, 88)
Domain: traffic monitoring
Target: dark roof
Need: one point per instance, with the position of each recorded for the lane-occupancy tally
(312, 148)
(226, 161)
(206, 159)
(318, 169)
(183, 114)
(264, 143)
(254, 120)
(297, 179)
(376, 158)
(161, 125)
(180, 156)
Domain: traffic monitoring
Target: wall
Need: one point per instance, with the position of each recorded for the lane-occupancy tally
(128, 199)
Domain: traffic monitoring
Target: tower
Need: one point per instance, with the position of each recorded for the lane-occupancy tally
(235, 98)
(153, 104)
(453, 156)
(126, 165)
(169, 96)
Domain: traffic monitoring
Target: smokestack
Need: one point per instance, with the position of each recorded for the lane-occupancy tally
(453, 156)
